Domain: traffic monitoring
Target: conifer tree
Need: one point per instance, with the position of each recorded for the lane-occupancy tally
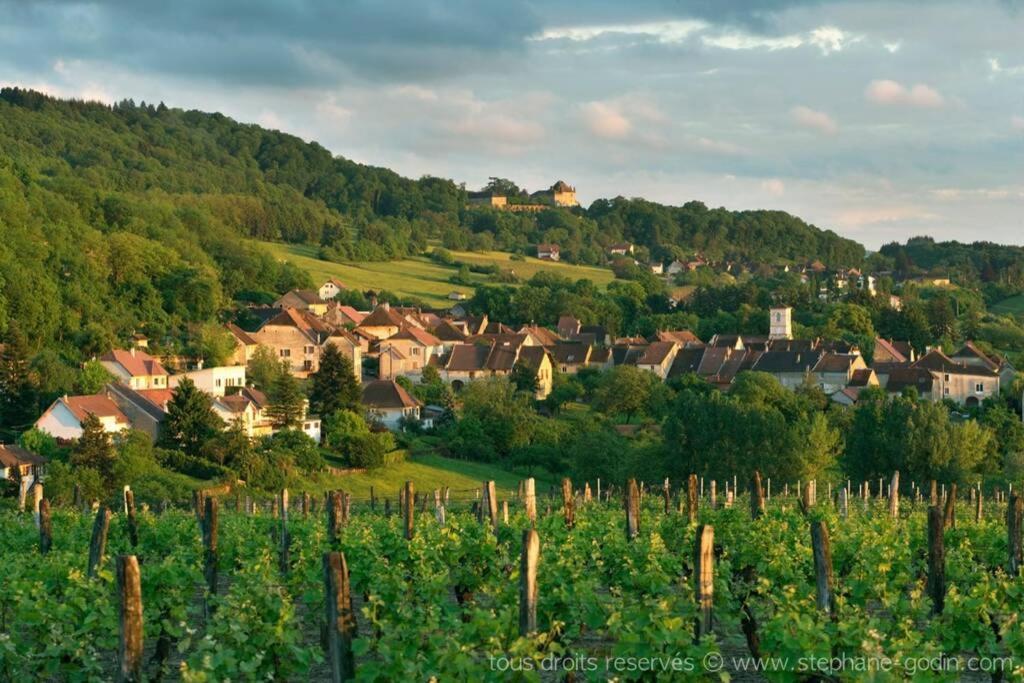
(334, 384)
(190, 421)
(286, 401)
(94, 449)
(19, 395)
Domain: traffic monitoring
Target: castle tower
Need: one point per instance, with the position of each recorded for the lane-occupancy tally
(781, 323)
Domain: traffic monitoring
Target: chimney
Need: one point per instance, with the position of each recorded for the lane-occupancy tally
(132, 351)
(386, 306)
(199, 364)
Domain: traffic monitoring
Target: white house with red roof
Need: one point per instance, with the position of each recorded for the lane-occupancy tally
(63, 419)
(330, 289)
(135, 368)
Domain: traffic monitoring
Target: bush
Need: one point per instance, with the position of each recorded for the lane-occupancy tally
(190, 465)
(442, 256)
(365, 451)
(303, 450)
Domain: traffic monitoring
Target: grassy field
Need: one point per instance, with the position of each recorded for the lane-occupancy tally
(427, 472)
(419, 276)
(1012, 306)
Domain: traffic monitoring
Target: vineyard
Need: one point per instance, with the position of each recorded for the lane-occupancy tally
(633, 583)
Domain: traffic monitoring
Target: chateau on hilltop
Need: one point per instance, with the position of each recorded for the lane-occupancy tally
(561, 194)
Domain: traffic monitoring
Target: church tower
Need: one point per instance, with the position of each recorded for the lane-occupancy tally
(781, 323)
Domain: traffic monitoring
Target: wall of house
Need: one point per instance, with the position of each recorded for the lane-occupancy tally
(292, 345)
(960, 387)
(214, 381)
(544, 379)
(139, 418)
(59, 422)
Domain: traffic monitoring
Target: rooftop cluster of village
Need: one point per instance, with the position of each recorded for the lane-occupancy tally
(398, 342)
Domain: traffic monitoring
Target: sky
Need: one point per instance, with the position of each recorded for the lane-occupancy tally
(878, 120)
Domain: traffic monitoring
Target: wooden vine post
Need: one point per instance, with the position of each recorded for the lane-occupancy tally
(714, 495)
(979, 506)
(936, 559)
(439, 508)
(1014, 524)
(691, 499)
(756, 496)
(822, 549)
(341, 618)
(530, 499)
(209, 527)
(632, 510)
(666, 492)
(98, 544)
(949, 517)
(528, 582)
(807, 498)
(409, 512)
(489, 505)
(844, 502)
(568, 504)
(894, 495)
(285, 537)
(334, 518)
(129, 588)
(45, 527)
(198, 504)
(133, 522)
(704, 580)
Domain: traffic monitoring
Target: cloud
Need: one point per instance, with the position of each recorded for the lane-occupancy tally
(664, 32)
(606, 121)
(997, 68)
(774, 187)
(893, 93)
(874, 215)
(815, 120)
(830, 39)
(1017, 122)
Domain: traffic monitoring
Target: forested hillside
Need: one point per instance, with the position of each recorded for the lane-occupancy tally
(115, 219)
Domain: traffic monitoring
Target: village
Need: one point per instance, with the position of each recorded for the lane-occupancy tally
(400, 342)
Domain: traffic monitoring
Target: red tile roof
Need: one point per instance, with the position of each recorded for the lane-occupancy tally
(136, 363)
(656, 353)
(384, 393)
(241, 335)
(383, 317)
(13, 456)
(99, 405)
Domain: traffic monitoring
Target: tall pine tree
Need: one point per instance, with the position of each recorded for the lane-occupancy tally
(93, 449)
(190, 421)
(334, 385)
(19, 393)
(286, 401)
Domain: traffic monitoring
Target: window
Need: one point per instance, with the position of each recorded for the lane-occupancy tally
(219, 382)
(285, 353)
(945, 378)
(945, 391)
(307, 365)
(415, 350)
(979, 388)
(309, 350)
